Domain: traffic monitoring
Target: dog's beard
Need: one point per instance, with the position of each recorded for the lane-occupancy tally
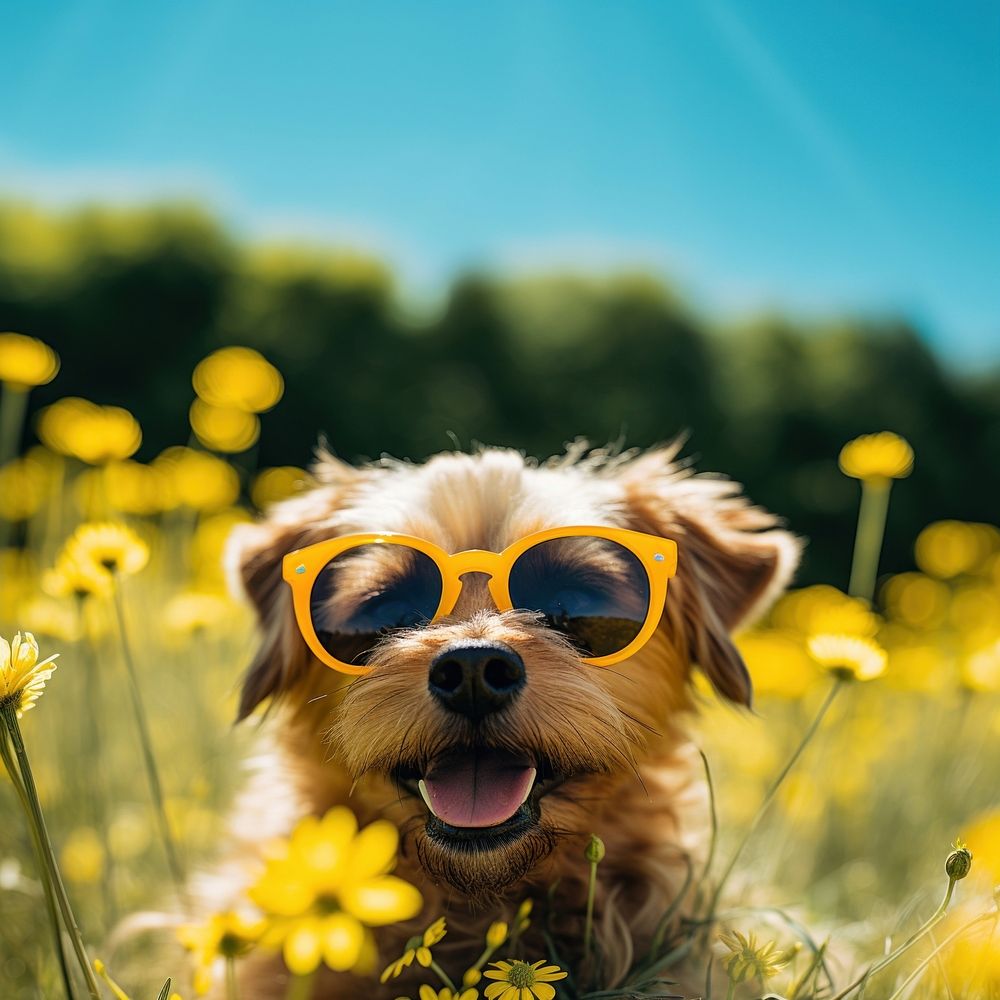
(484, 875)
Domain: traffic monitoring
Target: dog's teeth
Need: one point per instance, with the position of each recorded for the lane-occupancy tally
(425, 795)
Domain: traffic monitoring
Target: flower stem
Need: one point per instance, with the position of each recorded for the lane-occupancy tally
(94, 753)
(50, 900)
(443, 976)
(923, 929)
(772, 792)
(149, 759)
(300, 987)
(731, 992)
(55, 878)
(588, 927)
(958, 932)
(868, 541)
(13, 405)
(232, 992)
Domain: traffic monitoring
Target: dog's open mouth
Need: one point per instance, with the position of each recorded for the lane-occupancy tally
(480, 796)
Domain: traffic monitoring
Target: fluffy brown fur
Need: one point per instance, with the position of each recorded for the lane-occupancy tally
(634, 778)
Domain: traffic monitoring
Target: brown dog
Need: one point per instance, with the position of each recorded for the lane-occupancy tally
(606, 743)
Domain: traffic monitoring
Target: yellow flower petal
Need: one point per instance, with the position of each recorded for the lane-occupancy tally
(22, 676)
(543, 991)
(848, 656)
(322, 847)
(396, 968)
(343, 938)
(384, 900)
(427, 993)
(26, 362)
(280, 892)
(303, 948)
(877, 456)
(374, 851)
(435, 932)
(495, 990)
(550, 973)
(424, 957)
(202, 980)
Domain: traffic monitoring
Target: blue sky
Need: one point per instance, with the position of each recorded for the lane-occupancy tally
(818, 156)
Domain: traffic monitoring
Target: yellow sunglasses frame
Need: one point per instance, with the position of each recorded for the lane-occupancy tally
(301, 567)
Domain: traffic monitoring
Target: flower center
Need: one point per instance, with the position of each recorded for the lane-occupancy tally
(521, 974)
(230, 944)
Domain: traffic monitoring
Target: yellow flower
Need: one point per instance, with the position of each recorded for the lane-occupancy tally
(199, 480)
(417, 947)
(520, 981)
(23, 484)
(777, 662)
(25, 362)
(750, 959)
(101, 969)
(324, 886)
(429, 993)
(946, 549)
(223, 935)
(984, 837)
(82, 859)
(497, 934)
(223, 428)
(238, 377)
(52, 618)
(195, 612)
(111, 548)
(848, 657)
(73, 577)
(94, 434)
(880, 456)
(22, 674)
(134, 488)
(980, 670)
(278, 483)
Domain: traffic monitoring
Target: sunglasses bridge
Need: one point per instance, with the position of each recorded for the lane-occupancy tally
(460, 564)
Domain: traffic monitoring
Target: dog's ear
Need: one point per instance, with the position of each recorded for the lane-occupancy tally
(254, 554)
(733, 560)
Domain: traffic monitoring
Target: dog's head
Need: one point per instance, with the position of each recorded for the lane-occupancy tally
(493, 780)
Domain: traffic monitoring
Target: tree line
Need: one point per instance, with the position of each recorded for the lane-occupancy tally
(133, 299)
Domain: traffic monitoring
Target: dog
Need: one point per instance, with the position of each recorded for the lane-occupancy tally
(572, 746)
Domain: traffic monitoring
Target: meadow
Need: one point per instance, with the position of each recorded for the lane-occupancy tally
(868, 764)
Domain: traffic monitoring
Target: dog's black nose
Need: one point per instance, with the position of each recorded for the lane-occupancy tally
(476, 679)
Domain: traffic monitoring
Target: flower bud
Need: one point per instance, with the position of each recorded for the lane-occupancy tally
(471, 977)
(595, 850)
(497, 934)
(959, 862)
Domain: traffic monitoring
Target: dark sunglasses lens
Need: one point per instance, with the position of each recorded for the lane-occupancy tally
(368, 592)
(591, 589)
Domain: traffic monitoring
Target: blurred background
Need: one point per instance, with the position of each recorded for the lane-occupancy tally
(770, 229)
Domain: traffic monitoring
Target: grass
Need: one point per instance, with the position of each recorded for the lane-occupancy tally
(845, 864)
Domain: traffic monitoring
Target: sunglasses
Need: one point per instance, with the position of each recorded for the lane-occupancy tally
(602, 588)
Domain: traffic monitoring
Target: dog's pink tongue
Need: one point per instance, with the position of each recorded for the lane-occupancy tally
(478, 788)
